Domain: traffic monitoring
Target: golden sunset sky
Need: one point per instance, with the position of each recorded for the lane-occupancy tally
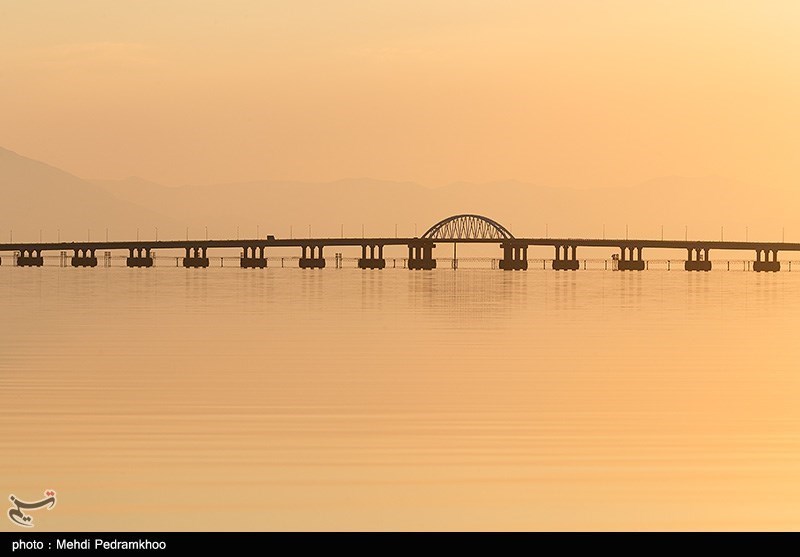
(561, 93)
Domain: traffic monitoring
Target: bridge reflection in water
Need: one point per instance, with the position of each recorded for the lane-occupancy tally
(458, 229)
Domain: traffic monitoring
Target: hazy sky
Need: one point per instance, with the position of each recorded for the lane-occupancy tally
(572, 93)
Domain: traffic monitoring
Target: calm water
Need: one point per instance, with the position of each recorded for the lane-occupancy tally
(170, 399)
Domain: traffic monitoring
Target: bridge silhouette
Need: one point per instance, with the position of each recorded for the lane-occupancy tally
(466, 228)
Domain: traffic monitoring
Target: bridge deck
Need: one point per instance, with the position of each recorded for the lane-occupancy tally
(334, 242)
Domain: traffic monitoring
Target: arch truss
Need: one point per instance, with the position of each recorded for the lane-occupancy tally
(468, 227)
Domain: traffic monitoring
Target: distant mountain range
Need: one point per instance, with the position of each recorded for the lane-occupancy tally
(38, 196)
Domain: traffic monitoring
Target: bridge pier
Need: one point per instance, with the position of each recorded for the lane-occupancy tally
(253, 258)
(375, 259)
(30, 258)
(630, 259)
(312, 257)
(420, 255)
(196, 257)
(84, 257)
(515, 256)
(139, 257)
(698, 260)
(568, 261)
(767, 260)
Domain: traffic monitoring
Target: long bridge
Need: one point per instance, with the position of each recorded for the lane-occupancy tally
(467, 228)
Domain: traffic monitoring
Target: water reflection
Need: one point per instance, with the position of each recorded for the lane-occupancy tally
(346, 399)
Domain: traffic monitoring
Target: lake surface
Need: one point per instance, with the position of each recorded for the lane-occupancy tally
(229, 399)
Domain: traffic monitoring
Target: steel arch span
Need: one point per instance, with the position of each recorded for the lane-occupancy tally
(468, 227)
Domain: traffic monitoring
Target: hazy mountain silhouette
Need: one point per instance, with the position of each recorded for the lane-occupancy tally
(40, 196)
(703, 204)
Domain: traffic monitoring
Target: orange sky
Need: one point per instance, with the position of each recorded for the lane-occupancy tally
(568, 93)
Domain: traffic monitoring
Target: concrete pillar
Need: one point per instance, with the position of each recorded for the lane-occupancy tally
(515, 256)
